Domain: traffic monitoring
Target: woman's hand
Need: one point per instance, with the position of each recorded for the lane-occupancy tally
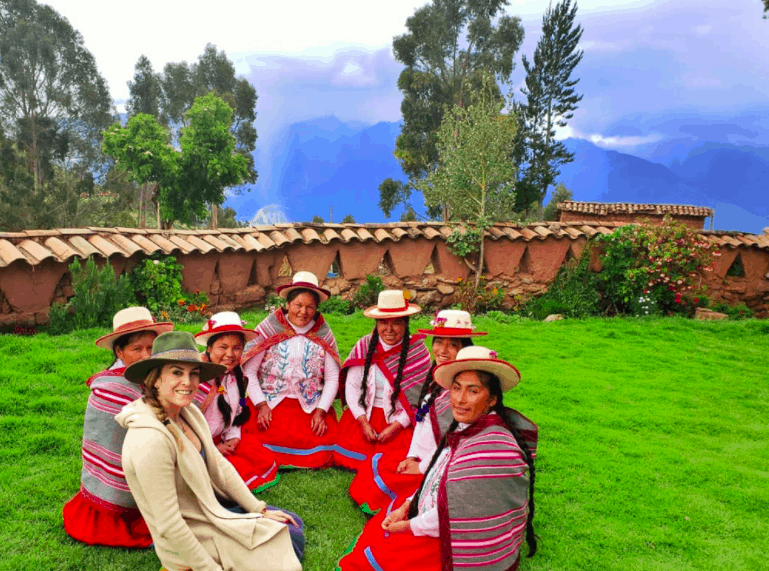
(368, 431)
(398, 527)
(318, 422)
(390, 432)
(408, 466)
(280, 516)
(264, 416)
(229, 446)
(397, 521)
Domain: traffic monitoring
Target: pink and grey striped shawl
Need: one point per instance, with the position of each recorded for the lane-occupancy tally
(441, 418)
(483, 499)
(414, 372)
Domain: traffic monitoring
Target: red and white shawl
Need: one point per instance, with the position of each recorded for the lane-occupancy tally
(414, 371)
(483, 499)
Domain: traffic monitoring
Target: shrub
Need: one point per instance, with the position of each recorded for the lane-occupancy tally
(486, 297)
(660, 263)
(98, 295)
(336, 304)
(739, 311)
(157, 281)
(274, 302)
(368, 293)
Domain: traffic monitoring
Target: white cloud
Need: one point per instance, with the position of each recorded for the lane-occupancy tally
(624, 142)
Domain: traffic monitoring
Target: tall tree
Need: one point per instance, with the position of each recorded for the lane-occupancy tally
(448, 47)
(476, 178)
(766, 9)
(53, 100)
(560, 194)
(550, 102)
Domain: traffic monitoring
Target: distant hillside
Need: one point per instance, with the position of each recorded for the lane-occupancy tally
(326, 163)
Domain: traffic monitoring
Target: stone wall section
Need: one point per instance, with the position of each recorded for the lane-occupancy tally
(521, 261)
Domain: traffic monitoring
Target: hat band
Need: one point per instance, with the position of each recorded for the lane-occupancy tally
(178, 355)
(134, 325)
(393, 309)
(451, 331)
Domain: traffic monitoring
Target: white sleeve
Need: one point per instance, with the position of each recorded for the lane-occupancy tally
(352, 391)
(251, 370)
(426, 524)
(401, 416)
(414, 448)
(330, 383)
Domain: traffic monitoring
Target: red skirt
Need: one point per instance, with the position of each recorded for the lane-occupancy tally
(353, 451)
(103, 524)
(377, 482)
(290, 437)
(255, 463)
(372, 551)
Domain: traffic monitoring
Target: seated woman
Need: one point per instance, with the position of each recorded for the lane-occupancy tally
(180, 480)
(476, 502)
(384, 478)
(223, 401)
(382, 408)
(104, 512)
(293, 378)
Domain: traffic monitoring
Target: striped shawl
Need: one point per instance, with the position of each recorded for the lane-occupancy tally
(102, 479)
(414, 372)
(483, 499)
(275, 329)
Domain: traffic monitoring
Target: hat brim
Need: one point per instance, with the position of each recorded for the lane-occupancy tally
(286, 289)
(375, 313)
(508, 375)
(203, 337)
(463, 335)
(137, 372)
(107, 341)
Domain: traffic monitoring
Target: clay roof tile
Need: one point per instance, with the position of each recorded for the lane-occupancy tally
(310, 235)
(364, 235)
(9, 253)
(215, 242)
(181, 243)
(348, 234)
(230, 242)
(34, 251)
(200, 245)
(380, 234)
(330, 234)
(279, 238)
(528, 234)
(292, 235)
(430, 232)
(165, 244)
(61, 249)
(84, 247)
(265, 240)
(105, 247)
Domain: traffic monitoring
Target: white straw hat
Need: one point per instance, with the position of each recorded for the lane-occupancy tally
(224, 322)
(304, 280)
(476, 358)
(390, 304)
(132, 320)
(453, 323)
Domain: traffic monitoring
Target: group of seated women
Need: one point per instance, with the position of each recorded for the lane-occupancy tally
(446, 469)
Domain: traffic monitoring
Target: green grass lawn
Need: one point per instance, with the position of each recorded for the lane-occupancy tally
(653, 452)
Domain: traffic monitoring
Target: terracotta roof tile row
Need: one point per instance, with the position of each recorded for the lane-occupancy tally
(605, 209)
(35, 246)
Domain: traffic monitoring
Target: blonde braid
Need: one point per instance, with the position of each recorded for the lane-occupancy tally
(150, 396)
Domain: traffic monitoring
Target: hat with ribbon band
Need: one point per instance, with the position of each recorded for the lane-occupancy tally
(132, 320)
(304, 280)
(224, 322)
(452, 323)
(391, 303)
(173, 347)
(476, 358)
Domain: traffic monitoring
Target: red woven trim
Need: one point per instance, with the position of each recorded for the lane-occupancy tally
(289, 332)
(224, 329)
(393, 309)
(103, 504)
(111, 373)
(444, 526)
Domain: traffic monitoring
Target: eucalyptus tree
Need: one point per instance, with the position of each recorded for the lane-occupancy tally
(449, 46)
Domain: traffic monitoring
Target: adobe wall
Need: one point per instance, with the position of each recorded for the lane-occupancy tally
(693, 222)
(238, 280)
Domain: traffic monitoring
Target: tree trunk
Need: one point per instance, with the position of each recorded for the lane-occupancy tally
(214, 216)
(142, 207)
(479, 265)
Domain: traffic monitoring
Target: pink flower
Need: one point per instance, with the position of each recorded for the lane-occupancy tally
(493, 354)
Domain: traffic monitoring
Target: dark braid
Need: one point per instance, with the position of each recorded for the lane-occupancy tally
(372, 345)
(401, 364)
(430, 386)
(414, 506)
(221, 401)
(245, 412)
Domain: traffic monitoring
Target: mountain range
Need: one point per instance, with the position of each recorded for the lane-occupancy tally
(324, 165)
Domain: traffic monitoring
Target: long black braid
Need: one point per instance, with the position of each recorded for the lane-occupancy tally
(401, 364)
(372, 345)
(430, 386)
(492, 382)
(221, 402)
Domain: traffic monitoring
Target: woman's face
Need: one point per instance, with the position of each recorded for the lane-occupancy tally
(138, 348)
(445, 349)
(469, 398)
(301, 309)
(226, 350)
(177, 385)
(391, 331)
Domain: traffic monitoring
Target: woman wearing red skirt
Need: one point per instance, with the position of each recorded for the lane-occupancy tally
(382, 479)
(223, 401)
(293, 372)
(476, 503)
(381, 409)
(104, 512)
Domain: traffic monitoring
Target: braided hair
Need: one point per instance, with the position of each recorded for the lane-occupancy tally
(150, 396)
(373, 343)
(242, 381)
(492, 383)
(430, 386)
